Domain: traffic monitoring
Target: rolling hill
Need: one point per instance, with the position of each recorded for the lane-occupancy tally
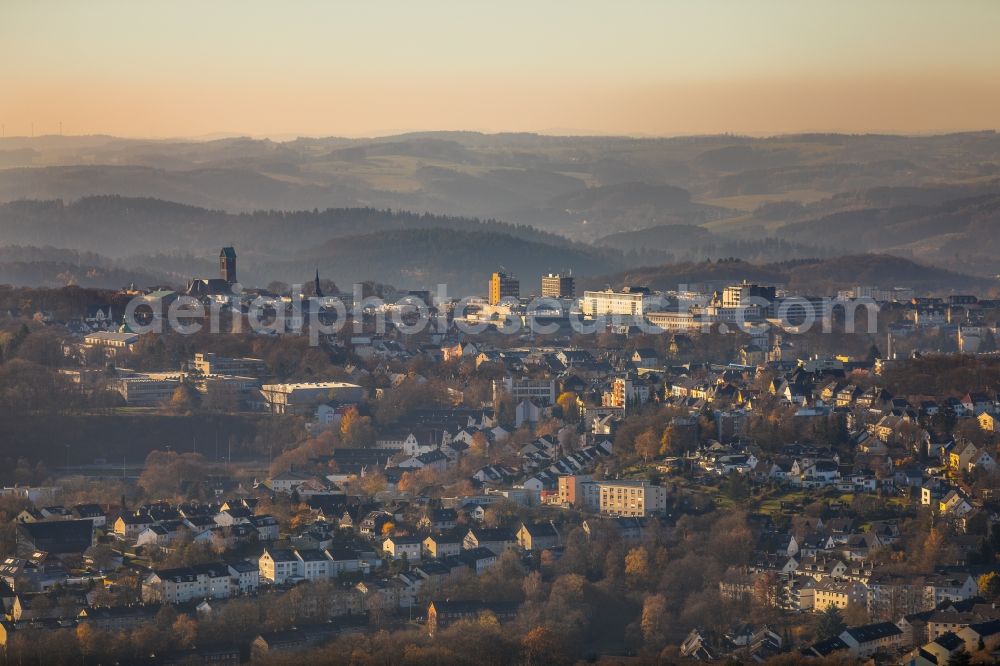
(820, 277)
(461, 259)
(119, 226)
(111, 235)
(935, 199)
(555, 183)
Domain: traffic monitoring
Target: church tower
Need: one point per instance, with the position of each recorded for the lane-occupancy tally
(227, 265)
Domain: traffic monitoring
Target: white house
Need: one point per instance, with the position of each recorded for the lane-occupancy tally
(399, 547)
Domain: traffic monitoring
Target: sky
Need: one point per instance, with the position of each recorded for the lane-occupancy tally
(287, 68)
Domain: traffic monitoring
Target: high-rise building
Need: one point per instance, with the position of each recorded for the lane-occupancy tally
(503, 286)
(740, 295)
(227, 264)
(626, 391)
(558, 286)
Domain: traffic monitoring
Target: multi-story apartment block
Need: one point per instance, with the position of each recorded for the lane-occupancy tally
(541, 391)
(578, 490)
(626, 391)
(631, 498)
(838, 593)
(201, 581)
(279, 566)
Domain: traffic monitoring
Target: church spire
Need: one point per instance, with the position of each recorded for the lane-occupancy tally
(319, 292)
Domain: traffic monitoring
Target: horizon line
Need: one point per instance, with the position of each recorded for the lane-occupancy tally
(287, 137)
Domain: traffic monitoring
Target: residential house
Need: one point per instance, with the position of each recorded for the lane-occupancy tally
(400, 547)
(880, 637)
(266, 526)
(279, 566)
(496, 539)
(130, 525)
(161, 534)
(537, 536)
(478, 559)
(839, 594)
(92, 512)
(442, 545)
(245, 575)
(439, 520)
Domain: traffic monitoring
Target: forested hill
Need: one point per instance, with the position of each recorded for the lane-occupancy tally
(461, 259)
(823, 277)
(120, 226)
(113, 237)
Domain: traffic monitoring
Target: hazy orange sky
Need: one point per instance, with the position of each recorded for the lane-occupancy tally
(185, 68)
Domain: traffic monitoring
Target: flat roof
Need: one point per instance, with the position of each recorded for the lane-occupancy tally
(307, 385)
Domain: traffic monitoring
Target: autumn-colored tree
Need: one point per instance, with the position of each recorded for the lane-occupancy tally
(637, 571)
(541, 645)
(372, 483)
(676, 440)
(408, 483)
(532, 586)
(480, 445)
(300, 519)
(647, 444)
(989, 586)
(669, 441)
(93, 642)
(168, 473)
(183, 400)
(654, 619)
(347, 420)
(356, 430)
(501, 513)
(935, 550)
(567, 401)
(567, 593)
(185, 630)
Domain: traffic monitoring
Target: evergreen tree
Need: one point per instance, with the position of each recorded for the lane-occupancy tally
(960, 658)
(830, 623)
